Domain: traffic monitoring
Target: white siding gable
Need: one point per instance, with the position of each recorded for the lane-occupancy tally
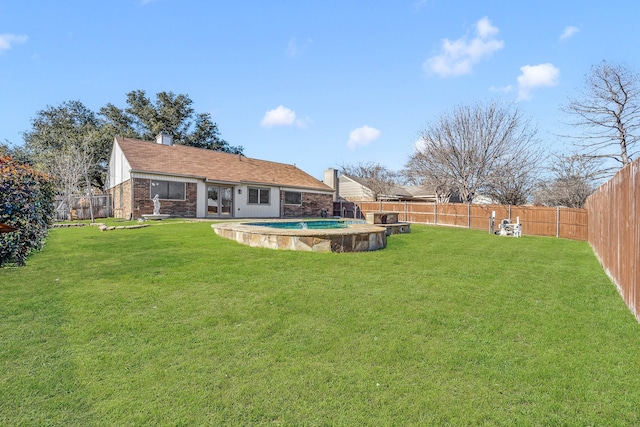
(352, 190)
(119, 168)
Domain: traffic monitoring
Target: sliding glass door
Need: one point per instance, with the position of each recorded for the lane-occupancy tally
(219, 201)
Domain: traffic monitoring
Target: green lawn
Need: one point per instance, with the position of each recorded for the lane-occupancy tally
(173, 325)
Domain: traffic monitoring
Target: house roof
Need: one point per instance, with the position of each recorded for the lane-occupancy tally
(148, 156)
(394, 191)
(420, 191)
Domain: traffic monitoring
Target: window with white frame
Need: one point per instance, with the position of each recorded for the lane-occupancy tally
(259, 196)
(168, 190)
(292, 198)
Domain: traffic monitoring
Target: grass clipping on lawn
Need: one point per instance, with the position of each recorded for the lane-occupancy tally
(173, 325)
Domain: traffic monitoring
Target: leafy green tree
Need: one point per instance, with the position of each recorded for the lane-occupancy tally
(26, 203)
(68, 127)
(19, 154)
(144, 119)
(206, 135)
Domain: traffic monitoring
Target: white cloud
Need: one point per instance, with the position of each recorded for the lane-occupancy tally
(283, 116)
(7, 41)
(459, 56)
(294, 48)
(362, 136)
(419, 145)
(279, 116)
(485, 29)
(569, 32)
(534, 76)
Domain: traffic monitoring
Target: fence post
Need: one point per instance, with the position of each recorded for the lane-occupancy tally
(492, 219)
(435, 213)
(558, 223)
(468, 215)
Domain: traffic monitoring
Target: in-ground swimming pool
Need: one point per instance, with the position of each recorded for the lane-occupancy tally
(329, 235)
(307, 224)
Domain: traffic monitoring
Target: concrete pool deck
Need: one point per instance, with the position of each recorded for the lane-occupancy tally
(354, 238)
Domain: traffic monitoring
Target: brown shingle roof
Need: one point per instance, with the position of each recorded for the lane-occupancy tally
(146, 156)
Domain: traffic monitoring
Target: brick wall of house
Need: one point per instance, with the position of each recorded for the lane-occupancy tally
(312, 205)
(121, 199)
(143, 204)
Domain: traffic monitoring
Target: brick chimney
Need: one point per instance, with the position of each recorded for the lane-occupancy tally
(331, 179)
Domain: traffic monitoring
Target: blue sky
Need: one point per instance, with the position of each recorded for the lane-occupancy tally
(312, 83)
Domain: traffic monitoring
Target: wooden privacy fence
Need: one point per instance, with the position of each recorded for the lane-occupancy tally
(610, 223)
(80, 207)
(614, 232)
(536, 220)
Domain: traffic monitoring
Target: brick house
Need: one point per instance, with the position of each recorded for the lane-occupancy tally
(198, 183)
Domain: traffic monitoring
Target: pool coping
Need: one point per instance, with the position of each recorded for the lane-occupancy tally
(354, 238)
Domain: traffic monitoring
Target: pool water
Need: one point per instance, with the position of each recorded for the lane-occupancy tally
(303, 225)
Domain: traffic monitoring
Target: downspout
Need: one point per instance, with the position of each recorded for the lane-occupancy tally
(132, 189)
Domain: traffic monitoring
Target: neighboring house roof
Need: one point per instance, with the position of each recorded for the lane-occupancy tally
(395, 192)
(483, 200)
(400, 192)
(423, 192)
(151, 157)
(420, 191)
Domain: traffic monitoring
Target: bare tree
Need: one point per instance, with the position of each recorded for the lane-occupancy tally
(68, 175)
(377, 177)
(72, 167)
(573, 179)
(61, 129)
(608, 113)
(514, 182)
(416, 173)
(472, 148)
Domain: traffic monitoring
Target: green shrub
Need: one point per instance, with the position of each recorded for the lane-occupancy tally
(26, 203)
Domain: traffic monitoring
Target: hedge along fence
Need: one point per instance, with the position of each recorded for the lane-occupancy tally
(536, 220)
(614, 232)
(26, 203)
